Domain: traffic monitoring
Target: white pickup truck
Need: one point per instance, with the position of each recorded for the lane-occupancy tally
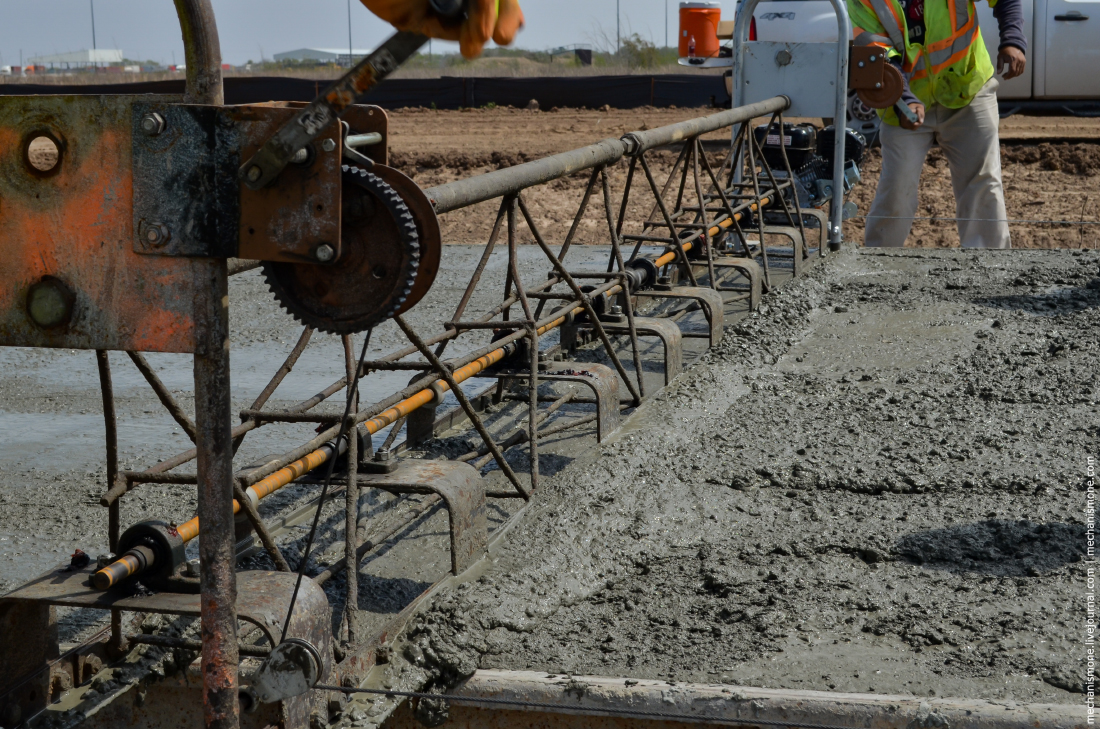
(1063, 57)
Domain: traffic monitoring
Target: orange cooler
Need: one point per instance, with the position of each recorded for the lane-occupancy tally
(699, 20)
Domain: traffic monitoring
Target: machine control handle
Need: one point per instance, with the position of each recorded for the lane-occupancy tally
(903, 110)
(1075, 16)
(297, 133)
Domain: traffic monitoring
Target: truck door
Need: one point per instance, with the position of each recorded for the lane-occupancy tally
(1072, 35)
(1020, 87)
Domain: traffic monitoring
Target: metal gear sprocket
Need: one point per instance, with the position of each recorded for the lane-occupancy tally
(375, 272)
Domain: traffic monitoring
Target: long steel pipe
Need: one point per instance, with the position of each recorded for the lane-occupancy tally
(462, 193)
(213, 412)
(638, 142)
(508, 181)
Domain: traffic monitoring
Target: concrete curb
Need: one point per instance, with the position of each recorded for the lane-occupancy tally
(724, 704)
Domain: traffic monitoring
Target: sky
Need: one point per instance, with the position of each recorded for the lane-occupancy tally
(249, 29)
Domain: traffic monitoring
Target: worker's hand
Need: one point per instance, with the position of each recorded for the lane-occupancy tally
(917, 109)
(1011, 61)
(483, 21)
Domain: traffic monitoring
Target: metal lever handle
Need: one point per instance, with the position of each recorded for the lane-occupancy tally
(903, 110)
(1072, 17)
(270, 160)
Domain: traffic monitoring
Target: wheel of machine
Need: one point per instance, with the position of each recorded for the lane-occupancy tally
(863, 119)
(377, 270)
(427, 230)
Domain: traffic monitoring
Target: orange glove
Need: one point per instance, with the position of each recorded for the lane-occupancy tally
(484, 21)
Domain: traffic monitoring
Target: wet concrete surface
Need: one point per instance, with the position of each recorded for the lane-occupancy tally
(874, 484)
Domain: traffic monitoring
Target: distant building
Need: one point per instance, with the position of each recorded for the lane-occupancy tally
(79, 59)
(338, 56)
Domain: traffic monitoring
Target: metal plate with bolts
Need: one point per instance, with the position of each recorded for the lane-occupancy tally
(69, 230)
(710, 300)
(462, 490)
(864, 73)
(805, 72)
(188, 202)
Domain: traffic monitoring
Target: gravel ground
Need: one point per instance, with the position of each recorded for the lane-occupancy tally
(875, 484)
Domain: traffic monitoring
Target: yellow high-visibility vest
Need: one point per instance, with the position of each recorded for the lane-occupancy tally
(952, 64)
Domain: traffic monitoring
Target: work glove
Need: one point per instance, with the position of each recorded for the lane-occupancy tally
(496, 19)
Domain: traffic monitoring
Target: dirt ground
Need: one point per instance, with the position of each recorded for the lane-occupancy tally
(1044, 179)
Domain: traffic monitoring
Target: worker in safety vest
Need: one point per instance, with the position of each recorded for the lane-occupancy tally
(952, 90)
(499, 20)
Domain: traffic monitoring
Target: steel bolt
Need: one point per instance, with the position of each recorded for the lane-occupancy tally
(152, 124)
(878, 85)
(154, 234)
(616, 310)
(325, 253)
(301, 156)
(861, 64)
(874, 58)
(254, 173)
(50, 303)
(382, 455)
(328, 145)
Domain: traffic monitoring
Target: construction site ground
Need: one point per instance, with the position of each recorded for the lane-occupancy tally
(875, 483)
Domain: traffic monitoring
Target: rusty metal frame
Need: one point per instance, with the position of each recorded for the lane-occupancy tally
(569, 302)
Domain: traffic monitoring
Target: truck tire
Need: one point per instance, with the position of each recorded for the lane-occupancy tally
(863, 119)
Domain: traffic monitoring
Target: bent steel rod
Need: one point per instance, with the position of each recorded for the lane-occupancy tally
(125, 568)
(450, 197)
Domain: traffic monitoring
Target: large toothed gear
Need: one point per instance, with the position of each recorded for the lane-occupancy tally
(377, 269)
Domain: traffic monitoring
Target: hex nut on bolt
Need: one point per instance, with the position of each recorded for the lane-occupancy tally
(254, 173)
(328, 145)
(324, 253)
(154, 235)
(152, 124)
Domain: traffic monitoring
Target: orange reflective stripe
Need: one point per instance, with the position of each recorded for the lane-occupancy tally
(953, 59)
(920, 69)
(952, 51)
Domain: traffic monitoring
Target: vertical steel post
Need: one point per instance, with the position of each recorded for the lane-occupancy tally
(351, 503)
(221, 707)
(110, 424)
(213, 413)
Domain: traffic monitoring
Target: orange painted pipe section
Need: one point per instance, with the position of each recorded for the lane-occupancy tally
(714, 230)
(134, 561)
(286, 475)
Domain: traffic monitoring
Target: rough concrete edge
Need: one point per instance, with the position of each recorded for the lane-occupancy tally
(581, 694)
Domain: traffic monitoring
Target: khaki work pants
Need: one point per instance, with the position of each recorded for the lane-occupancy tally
(969, 139)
